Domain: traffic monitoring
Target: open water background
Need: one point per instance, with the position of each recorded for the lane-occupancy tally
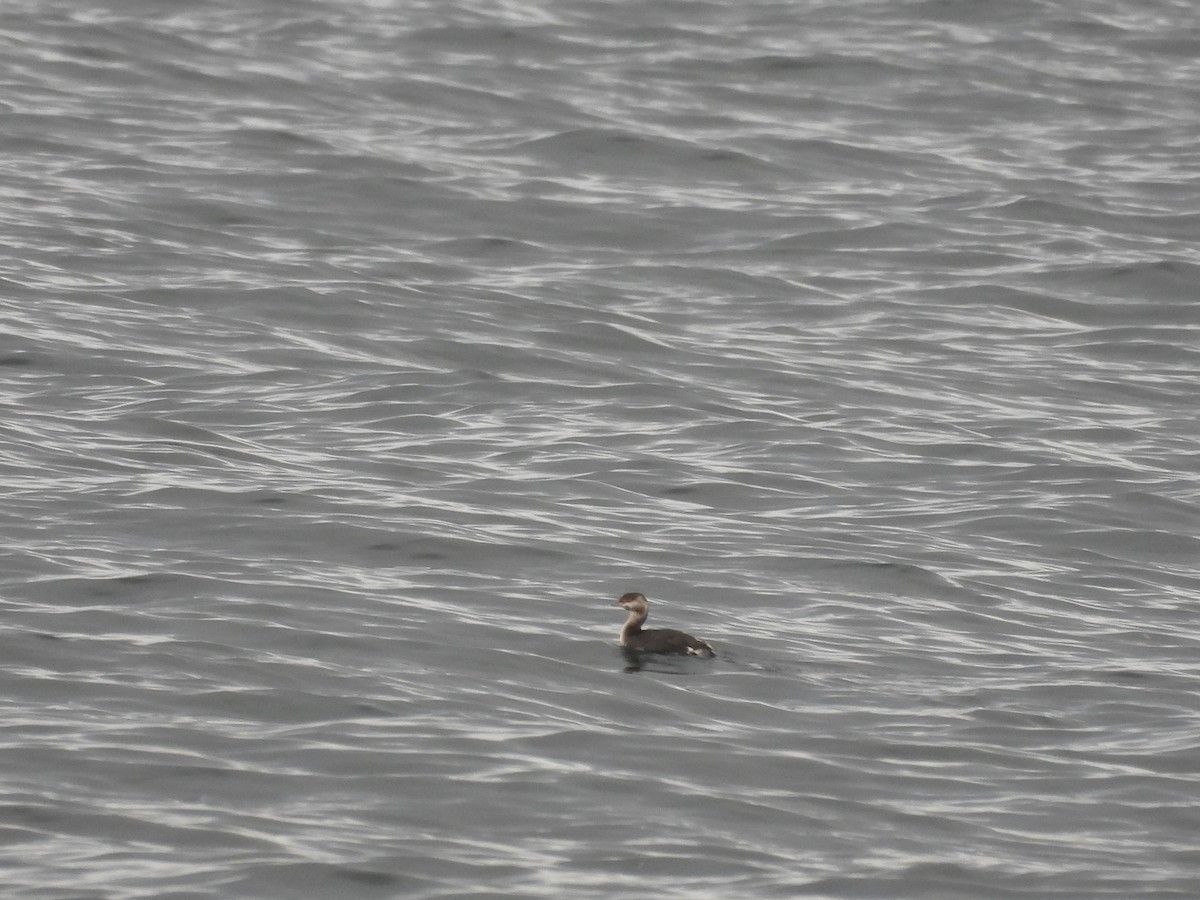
(355, 357)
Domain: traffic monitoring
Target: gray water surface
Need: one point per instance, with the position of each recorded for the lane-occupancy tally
(355, 357)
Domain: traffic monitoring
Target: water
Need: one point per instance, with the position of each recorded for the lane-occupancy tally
(357, 356)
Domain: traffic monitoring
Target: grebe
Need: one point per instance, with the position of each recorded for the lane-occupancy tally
(656, 640)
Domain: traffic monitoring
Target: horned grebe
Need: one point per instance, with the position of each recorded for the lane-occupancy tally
(656, 640)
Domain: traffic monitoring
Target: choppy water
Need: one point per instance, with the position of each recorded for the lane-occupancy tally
(356, 356)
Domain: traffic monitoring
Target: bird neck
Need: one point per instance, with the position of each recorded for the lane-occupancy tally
(634, 623)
